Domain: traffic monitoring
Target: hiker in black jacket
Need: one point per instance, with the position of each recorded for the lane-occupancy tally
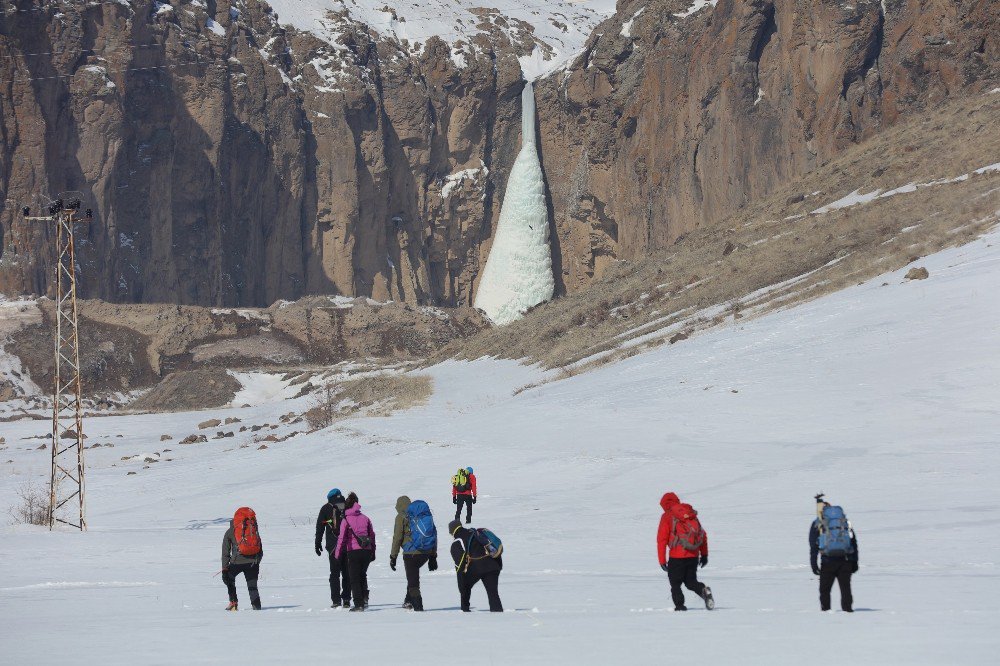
(472, 565)
(328, 523)
(831, 568)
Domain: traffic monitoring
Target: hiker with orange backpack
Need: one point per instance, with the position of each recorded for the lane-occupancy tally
(463, 492)
(681, 531)
(242, 552)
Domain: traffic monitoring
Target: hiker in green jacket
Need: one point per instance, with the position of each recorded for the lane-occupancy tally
(418, 549)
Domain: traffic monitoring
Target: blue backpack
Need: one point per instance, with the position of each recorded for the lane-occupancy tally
(423, 534)
(834, 533)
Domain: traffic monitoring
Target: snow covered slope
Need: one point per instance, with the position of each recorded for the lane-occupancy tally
(518, 272)
(559, 29)
(884, 397)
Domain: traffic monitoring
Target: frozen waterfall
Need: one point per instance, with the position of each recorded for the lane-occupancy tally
(518, 273)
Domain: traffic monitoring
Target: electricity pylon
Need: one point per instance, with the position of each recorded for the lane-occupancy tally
(66, 489)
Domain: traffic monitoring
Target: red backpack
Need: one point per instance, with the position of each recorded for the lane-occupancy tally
(245, 531)
(687, 531)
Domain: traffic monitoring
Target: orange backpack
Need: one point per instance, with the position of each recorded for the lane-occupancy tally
(245, 531)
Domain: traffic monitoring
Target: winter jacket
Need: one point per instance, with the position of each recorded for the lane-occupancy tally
(231, 553)
(664, 534)
(478, 562)
(814, 546)
(355, 523)
(328, 523)
(471, 491)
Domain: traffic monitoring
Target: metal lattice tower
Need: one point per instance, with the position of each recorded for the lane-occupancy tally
(66, 499)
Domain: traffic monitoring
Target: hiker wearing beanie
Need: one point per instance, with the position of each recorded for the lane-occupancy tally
(832, 540)
(356, 542)
(415, 533)
(681, 531)
(331, 515)
(473, 564)
(464, 493)
(242, 552)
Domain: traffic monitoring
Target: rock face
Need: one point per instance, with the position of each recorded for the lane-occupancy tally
(678, 121)
(232, 162)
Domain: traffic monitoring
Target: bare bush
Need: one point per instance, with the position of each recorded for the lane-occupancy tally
(324, 410)
(381, 395)
(32, 507)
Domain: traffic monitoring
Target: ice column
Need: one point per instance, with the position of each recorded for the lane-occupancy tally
(518, 273)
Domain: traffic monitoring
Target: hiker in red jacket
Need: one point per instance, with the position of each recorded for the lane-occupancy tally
(681, 531)
(463, 491)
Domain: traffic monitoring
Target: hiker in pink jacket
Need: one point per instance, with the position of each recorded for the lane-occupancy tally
(357, 542)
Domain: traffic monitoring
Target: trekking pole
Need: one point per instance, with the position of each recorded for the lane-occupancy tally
(217, 573)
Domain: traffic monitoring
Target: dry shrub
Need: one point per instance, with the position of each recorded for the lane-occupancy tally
(32, 507)
(380, 394)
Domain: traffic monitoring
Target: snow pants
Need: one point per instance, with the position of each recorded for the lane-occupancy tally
(250, 572)
(683, 571)
(467, 501)
(357, 571)
(340, 581)
(840, 571)
(491, 581)
(412, 564)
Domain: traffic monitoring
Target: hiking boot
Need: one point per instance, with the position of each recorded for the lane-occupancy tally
(709, 599)
(680, 608)
(346, 604)
(468, 521)
(256, 607)
(466, 609)
(232, 606)
(407, 605)
(358, 609)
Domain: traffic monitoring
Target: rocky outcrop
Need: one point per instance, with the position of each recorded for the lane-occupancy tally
(681, 120)
(232, 162)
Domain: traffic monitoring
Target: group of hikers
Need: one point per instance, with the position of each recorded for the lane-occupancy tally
(348, 537)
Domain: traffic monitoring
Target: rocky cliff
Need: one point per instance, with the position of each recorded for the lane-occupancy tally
(233, 161)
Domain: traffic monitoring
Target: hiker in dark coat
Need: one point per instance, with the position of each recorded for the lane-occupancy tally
(233, 563)
(839, 565)
(473, 564)
(328, 522)
(414, 556)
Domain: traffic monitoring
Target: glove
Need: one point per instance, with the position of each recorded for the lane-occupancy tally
(473, 500)
(454, 500)
(704, 561)
(372, 558)
(319, 551)
(815, 569)
(663, 566)
(854, 567)
(392, 563)
(432, 564)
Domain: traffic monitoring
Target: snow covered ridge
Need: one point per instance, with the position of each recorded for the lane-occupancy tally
(550, 33)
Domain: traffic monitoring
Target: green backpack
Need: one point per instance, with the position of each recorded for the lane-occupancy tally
(460, 481)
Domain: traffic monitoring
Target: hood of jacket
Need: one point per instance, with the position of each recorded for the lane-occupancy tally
(669, 501)
(402, 504)
(354, 510)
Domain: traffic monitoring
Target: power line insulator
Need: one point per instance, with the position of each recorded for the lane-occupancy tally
(26, 211)
(90, 214)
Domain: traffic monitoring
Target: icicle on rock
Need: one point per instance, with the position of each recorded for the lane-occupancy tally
(518, 273)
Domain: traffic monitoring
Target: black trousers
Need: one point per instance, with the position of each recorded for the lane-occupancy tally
(840, 571)
(340, 581)
(683, 571)
(491, 581)
(412, 564)
(467, 501)
(250, 572)
(357, 570)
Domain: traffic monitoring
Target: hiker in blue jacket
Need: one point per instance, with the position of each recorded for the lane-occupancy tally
(415, 533)
(832, 539)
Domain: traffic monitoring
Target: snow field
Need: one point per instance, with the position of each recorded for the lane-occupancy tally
(886, 398)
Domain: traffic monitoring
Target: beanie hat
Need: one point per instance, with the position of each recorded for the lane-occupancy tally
(469, 470)
(333, 493)
(453, 526)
